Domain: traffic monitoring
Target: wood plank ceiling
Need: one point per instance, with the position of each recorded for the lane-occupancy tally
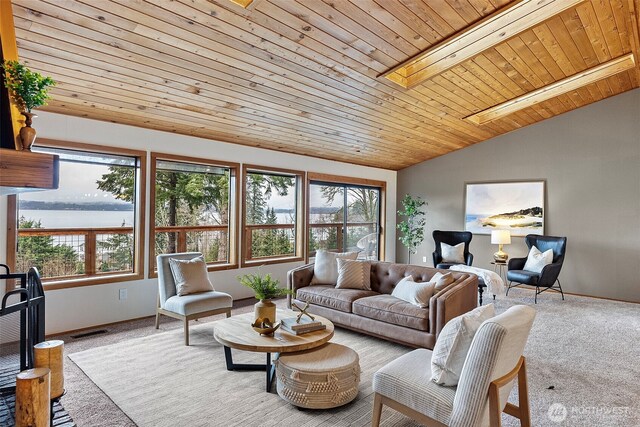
(304, 76)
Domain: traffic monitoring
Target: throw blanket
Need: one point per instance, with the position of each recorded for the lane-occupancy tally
(494, 282)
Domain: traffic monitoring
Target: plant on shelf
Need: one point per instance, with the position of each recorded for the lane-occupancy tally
(412, 227)
(265, 288)
(28, 90)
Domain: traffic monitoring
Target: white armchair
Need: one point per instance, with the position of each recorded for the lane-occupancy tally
(186, 307)
(488, 375)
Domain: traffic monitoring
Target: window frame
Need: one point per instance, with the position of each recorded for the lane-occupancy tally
(347, 180)
(300, 226)
(139, 226)
(234, 169)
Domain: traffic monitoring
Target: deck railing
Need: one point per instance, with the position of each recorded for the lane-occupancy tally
(61, 253)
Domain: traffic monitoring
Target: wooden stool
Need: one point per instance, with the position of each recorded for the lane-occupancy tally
(33, 398)
(50, 354)
(325, 377)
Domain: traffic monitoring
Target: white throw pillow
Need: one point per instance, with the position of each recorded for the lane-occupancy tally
(536, 260)
(442, 280)
(452, 253)
(416, 293)
(190, 275)
(453, 344)
(325, 267)
(353, 274)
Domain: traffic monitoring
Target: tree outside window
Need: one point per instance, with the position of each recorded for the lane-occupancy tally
(270, 215)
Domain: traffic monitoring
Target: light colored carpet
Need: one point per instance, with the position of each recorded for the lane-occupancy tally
(586, 349)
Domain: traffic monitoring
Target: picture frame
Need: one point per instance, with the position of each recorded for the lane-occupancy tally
(518, 206)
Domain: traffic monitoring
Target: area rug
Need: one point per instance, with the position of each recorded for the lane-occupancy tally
(582, 364)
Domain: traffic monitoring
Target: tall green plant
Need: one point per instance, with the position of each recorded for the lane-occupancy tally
(412, 227)
(28, 89)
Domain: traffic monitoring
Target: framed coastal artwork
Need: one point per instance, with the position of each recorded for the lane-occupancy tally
(517, 206)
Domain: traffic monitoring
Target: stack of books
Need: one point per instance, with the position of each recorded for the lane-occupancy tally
(305, 325)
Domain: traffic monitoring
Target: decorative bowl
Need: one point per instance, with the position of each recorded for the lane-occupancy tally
(264, 326)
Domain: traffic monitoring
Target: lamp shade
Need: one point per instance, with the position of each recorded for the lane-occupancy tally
(500, 237)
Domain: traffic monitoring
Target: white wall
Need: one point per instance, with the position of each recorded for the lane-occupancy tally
(81, 307)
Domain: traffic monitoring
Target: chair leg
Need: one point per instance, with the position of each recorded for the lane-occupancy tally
(523, 397)
(228, 313)
(508, 287)
(560, 286)
(186, 332)
(377, 410)
(157, 319)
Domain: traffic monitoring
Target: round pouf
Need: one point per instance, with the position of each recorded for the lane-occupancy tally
(325, 377)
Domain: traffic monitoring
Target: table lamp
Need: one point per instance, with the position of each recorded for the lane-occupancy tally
(500, 237)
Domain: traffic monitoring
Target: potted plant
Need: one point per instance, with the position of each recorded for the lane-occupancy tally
(412, 228)
(28, 90)
(265, 288)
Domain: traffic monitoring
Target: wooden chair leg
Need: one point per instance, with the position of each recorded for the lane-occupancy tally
(522, 411)
(523, 396)
(377, 410)
(495, 414)
(186, 332)
(229, 313)
(157, 319)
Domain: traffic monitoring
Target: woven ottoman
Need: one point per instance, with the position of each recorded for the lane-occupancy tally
(322, 378)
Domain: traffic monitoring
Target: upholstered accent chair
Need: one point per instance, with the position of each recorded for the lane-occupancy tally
(545, 280)
(451, 238)
(186, 307)
(488, 375)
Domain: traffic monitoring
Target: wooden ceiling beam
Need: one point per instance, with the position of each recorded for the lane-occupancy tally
(491, 31)
(581, 79)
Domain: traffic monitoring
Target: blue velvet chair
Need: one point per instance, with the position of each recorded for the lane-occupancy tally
(546, 279)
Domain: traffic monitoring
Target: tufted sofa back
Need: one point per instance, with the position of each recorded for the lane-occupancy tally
(384, 275)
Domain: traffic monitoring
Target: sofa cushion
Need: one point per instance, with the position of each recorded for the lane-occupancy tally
(390, 309)
(330, 297)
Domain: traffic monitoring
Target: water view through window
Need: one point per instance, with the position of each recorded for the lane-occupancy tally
(86, 226)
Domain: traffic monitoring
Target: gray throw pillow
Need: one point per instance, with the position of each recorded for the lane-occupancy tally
(452, 254)
(190, 275)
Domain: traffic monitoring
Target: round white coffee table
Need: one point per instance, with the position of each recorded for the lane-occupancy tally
(236, 332)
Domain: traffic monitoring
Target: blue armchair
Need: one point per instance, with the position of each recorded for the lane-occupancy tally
(549, 276)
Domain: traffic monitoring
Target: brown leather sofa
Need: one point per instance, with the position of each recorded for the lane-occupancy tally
(377, 313)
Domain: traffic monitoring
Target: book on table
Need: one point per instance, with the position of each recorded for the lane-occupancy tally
(305, 323)
(302, 331)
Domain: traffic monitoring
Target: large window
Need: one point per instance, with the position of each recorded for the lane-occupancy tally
(194, 206)
(272, 217)
(344, 216)
(90, 226)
